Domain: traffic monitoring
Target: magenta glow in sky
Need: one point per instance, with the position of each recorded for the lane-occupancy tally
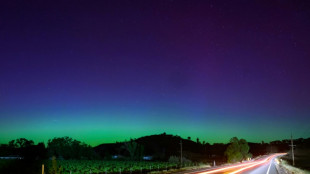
(105, 71)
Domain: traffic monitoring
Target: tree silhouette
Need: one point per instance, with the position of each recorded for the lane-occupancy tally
(21, 143)
(69, 148)
(237, 150)
(135, 150)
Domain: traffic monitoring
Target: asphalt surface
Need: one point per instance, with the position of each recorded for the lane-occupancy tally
(269, 168)
(263, 165)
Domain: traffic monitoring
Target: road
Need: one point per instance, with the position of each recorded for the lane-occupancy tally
(267, 168)
(264, 165)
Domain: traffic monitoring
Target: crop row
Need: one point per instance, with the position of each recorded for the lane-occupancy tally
(107, 167)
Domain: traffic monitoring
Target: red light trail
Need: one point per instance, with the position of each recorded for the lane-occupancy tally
(237, 168)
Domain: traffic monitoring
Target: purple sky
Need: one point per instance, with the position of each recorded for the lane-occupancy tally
(204, 69)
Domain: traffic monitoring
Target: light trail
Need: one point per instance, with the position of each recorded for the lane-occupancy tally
(251, 166)
(225, 168)
(266, 161)
(243, 167)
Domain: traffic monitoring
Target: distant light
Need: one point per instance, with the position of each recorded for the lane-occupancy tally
(148, 158)
(277, 161)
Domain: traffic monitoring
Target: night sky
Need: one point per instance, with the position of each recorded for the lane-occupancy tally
(106, 71)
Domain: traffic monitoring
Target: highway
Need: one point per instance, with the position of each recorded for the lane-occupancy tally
(264, 165)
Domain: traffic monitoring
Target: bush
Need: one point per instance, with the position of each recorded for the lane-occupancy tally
(174, 159)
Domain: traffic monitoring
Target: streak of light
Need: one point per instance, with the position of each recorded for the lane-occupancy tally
(225, 168)
(266, 161)
(244, 166)
(248, 167)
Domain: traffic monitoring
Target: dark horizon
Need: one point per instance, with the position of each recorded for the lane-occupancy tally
(104, 71)
(194, 139)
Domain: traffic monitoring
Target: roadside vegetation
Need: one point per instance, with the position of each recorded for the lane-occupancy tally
(288, 168)
(238, 150)
(301, 155)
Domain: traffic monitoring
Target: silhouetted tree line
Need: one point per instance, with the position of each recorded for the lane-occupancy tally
(160, 147)
(61, 148)
(68, 148)
(23, 148)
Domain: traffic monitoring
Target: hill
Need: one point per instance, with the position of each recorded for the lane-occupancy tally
(163, 146)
